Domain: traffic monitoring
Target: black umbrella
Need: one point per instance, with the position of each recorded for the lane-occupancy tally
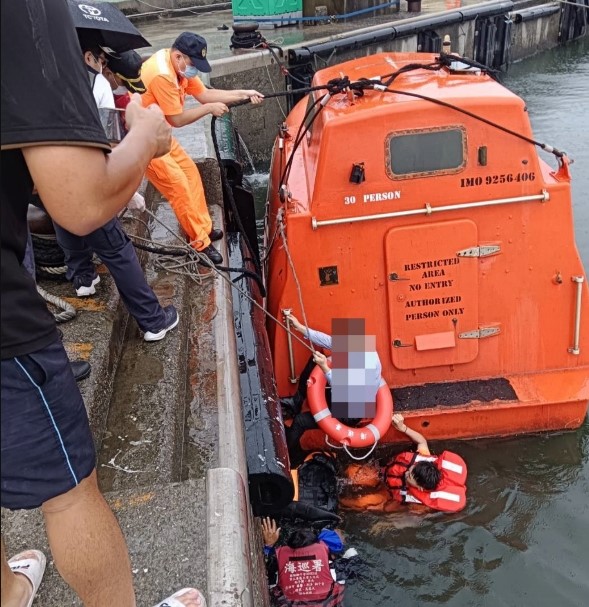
(105, 25)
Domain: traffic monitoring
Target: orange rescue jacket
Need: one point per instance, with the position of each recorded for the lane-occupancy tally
(448, 496)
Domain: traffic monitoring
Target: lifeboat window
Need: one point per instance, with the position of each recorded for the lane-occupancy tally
(419, 153)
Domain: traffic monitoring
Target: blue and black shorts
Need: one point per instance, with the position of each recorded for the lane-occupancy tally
(46, 443)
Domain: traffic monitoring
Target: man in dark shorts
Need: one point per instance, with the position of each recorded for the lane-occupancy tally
(52, 138)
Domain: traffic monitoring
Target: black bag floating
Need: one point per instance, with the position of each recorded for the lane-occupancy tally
(318, 482)
(317, 491)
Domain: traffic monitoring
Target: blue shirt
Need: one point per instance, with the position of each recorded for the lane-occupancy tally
(366, 371)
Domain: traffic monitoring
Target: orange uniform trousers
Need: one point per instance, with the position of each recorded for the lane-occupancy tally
(178, 180)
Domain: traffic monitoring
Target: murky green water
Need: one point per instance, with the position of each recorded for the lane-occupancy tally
(523, 539)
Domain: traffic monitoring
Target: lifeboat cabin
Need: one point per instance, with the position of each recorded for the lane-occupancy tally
(409, 191)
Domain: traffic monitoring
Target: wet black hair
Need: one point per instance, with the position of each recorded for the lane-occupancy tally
(95, 50)
(300, 538)
(426, 475)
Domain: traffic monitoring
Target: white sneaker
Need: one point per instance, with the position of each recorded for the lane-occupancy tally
(87, 290)
(137, 202)
(172, 319)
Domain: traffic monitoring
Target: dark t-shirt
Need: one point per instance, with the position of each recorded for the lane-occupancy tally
(46, 99)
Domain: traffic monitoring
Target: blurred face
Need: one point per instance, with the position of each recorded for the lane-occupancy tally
(409, 477)
(180, 62)
(95, 62)
(114, 82)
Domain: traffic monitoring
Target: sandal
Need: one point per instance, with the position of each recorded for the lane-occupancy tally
(31, 564)
(192, 597)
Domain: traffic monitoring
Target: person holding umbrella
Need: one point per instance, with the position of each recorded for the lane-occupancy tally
(169, 75)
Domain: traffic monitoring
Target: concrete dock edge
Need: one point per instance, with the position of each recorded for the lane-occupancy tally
(229, 567)
(228, 554)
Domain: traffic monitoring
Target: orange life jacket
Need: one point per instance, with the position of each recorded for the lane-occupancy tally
(303, 573)
(448, 496)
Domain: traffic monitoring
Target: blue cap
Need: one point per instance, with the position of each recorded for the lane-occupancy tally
(195, 47)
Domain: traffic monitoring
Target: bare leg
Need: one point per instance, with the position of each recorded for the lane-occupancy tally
(16, 589)
(88, 547)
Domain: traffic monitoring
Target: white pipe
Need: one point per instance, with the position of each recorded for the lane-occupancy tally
(293, 378)
(428, 210)
(577, 337)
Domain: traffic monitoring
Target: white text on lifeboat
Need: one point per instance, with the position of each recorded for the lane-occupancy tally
(381, 196)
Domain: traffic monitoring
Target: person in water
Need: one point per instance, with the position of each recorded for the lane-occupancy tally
(354, 379)
(304, 572)
(410, 478)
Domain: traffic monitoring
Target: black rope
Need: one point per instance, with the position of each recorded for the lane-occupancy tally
(299, 137)
(447, 59)
(283, 69)
(158, 250)
(544, 146)
(243, 273)
(410, 68)
(229, 192)
(183, 253)
(338, 85)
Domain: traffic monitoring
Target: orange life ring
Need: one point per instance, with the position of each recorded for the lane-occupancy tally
(364, 436)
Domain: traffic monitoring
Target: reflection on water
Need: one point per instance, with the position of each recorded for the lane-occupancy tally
(555, 86)
(520, 540)
(524, 535)
(523, 538)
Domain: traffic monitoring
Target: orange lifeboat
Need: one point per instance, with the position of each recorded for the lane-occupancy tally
(416, 199)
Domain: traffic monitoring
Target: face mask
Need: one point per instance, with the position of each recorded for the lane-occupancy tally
(120, 90)
(191, 72)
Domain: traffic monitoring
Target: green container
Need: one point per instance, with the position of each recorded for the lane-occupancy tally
(267, 8)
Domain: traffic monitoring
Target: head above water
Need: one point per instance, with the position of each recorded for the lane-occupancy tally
(301, 538)
(424, 475)
(190, 51)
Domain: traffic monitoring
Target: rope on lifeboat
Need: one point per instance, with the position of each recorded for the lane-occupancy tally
(296, 278)
(280, 224)
(339, 85)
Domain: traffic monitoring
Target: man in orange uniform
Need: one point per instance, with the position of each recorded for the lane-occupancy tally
(169, 75)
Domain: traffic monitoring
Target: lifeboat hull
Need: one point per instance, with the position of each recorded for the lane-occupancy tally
(426, 210)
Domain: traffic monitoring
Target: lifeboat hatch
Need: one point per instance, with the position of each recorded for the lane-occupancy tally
(432, 294)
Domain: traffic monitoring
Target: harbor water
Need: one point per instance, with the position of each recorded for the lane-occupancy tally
(523, 539)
